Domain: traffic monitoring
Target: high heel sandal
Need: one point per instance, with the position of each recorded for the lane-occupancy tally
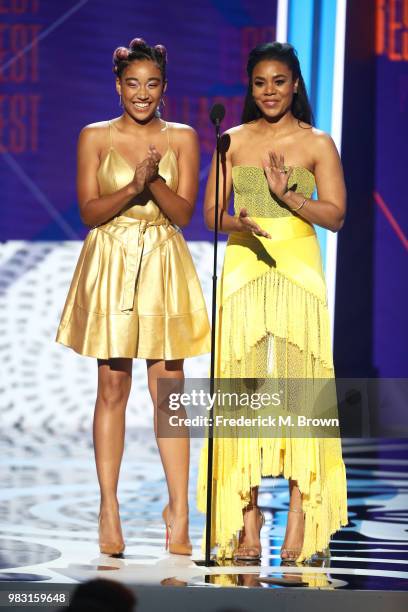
(175, 548)
(293, 553)
(322, 554)
(246, 552)
(113, 549)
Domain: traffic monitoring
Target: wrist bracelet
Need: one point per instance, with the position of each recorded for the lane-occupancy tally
(302, 204)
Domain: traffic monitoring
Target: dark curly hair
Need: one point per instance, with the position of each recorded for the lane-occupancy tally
(139, 50)
(285, 53)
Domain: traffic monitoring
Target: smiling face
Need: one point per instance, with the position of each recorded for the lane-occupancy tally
(273, 88)
(141, 87)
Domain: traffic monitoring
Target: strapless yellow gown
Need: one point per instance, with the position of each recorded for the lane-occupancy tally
(273, 322)
(135, 290)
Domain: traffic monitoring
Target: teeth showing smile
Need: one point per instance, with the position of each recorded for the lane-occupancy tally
(141, 105)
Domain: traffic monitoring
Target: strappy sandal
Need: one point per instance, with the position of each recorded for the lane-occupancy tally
(292, 553)
(247, 552)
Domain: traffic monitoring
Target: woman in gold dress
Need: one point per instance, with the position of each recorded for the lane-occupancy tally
(273, 318)
(135, 291)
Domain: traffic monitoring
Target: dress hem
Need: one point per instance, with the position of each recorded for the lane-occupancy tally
(132, 356)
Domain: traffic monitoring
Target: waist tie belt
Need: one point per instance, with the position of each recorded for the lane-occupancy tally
(133, 246)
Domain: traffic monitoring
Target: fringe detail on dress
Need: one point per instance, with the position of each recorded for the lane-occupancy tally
(293, 324)
(324, 500)
(288, 311)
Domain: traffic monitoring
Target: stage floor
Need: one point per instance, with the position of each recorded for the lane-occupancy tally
(49, 507)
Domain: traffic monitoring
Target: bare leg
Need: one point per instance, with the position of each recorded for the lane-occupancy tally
(114, 383)
(249, 535)
(295, 526)
(174, 452)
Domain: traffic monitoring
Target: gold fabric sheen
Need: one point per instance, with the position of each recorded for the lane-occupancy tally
(135, 290)
(273, 323)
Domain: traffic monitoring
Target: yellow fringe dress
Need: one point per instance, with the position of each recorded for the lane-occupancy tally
(273, 321)
(135, 291)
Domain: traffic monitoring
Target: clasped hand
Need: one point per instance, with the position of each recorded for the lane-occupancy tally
(148, 169)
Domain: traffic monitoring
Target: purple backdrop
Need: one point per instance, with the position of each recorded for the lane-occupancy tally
(390, 261)
(62, 80)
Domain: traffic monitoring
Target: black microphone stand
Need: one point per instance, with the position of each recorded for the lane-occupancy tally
(217, 114)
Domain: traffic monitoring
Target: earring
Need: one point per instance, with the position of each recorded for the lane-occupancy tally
(157, 112)
(120, 100)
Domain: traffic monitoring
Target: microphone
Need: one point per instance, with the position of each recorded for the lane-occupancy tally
(217, 114)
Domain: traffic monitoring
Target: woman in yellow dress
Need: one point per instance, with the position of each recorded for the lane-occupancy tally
(273, 319)
(135, 291)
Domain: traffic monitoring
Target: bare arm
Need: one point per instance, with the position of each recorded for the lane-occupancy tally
(179, 206)
(226, 223)
(329, 209)
(95, 209)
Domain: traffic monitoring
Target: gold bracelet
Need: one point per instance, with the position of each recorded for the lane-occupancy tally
(302, 204)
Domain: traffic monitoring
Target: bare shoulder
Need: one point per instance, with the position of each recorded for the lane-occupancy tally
(237, 136)
(182, 132)
(322, 141)
(94, 133)
(239, 131)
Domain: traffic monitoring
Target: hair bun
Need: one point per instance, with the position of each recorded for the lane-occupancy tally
(119, 54)
(137, 42)
(162, 50)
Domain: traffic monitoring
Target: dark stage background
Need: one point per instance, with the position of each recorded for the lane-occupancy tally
(371, 325)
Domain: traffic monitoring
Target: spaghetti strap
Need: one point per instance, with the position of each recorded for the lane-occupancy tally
(168, 135)
(110, 134)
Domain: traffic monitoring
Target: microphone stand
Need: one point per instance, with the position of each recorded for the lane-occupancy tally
(216, 118)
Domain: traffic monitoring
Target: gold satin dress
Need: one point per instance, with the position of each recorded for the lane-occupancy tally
(135, 290)
(273, 323)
